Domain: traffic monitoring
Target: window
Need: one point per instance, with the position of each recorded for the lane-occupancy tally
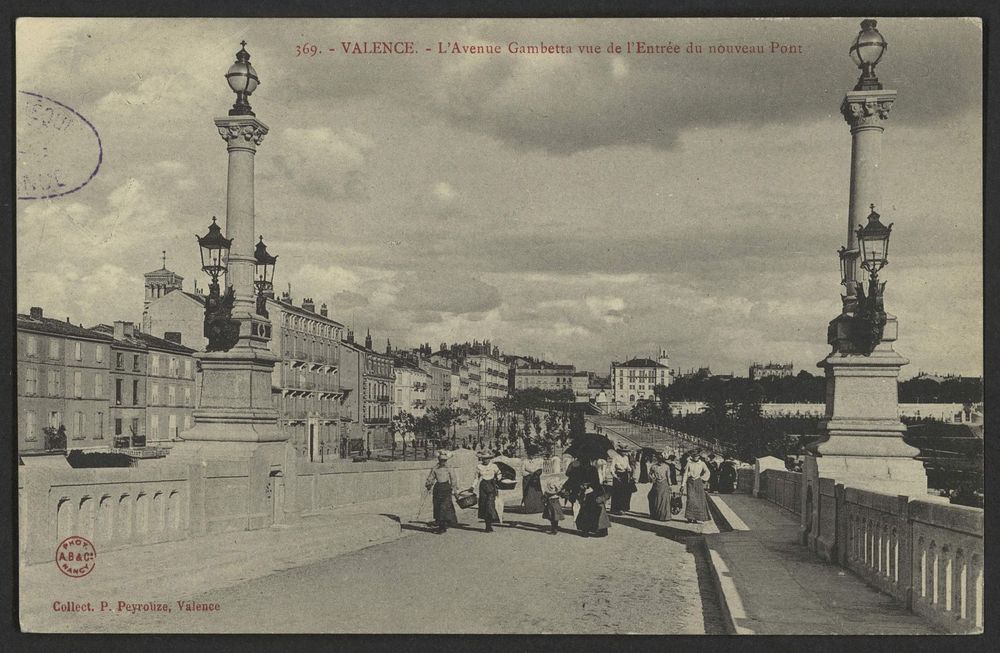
(78, 351)
(135, 362)
(135, 426)
(187, 396)
(118, 426)
(99, 425)
(174, 370)
(118, 392)
(32, 346)
(53, 379)
(154, 394)
(99, 353)
(135, 392)
(77, 384)
(156, 364)
(30, 380)
(172, 396)
(172, 425)
(78, 426)
(120, 360)
(30, 425)
(53, 348)
(99, 386)
(187, 369)
(55, 419)
(154, 426)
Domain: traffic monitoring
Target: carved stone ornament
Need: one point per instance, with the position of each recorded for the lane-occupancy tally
(230, 133)
(867, 112)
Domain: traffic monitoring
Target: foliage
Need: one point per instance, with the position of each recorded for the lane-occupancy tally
(55, 438)
(78, 459)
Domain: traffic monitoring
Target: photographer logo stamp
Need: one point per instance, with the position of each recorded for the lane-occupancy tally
(76, 556)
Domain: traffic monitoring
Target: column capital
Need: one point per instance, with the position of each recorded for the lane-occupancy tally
(241, 130)
(867, 108)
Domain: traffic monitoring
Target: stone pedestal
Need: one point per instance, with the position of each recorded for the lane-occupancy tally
(861, 444)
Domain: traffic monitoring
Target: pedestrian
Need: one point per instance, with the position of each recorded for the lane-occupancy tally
(592, 520)
(531, 485)
(622, 481)
(551, 489)
(487, 474)
(443, 485)
(660, 494)
(713, 469)
(674, 465)
(574, 478)
(696, 474)
(727, 476)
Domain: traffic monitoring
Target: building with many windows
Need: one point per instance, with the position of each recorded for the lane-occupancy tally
(367, 379)
(493, 373)
(770, 371)
(63, 381)
(128, 381)
(635, 379)
(411, 386)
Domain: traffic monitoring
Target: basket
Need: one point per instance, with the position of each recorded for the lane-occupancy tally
(466, 499)
(507, 484)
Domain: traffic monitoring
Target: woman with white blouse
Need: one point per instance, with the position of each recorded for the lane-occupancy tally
(696, 474)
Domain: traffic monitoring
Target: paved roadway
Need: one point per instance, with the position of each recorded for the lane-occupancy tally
(645, 577)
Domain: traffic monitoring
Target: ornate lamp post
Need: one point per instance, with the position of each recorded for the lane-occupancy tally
(235, 420)
(861, 442)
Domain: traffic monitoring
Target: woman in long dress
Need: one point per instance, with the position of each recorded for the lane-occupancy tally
(531, 485)
(696, 474)
(592, 519)
(659, 495)
(551, 488)
(487, 474)
(443, 485)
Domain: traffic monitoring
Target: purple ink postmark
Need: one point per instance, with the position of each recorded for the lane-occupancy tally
(58, 150)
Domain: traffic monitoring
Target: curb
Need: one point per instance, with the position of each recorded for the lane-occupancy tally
(724, 515)
(730, 603)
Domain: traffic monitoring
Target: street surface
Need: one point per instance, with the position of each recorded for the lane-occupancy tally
(645, 577)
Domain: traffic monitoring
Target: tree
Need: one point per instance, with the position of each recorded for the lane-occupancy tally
(55, 438)
(750, 423)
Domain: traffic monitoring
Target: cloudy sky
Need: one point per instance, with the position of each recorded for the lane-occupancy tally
(579, 207)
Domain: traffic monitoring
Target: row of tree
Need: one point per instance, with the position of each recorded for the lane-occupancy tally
(808, 388)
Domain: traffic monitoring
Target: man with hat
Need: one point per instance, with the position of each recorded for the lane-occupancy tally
(622, 483)
(443, 485)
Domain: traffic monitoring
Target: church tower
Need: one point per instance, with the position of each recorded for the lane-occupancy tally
(158, 283)
(663, 358)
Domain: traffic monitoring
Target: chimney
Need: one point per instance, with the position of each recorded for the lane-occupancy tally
(173, 336)
(368, 340)
(322, 310)
(36, 312)
(350, 335)
(119, 330)
(308, 304)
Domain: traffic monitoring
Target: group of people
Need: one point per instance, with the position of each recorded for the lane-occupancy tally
(594, 488)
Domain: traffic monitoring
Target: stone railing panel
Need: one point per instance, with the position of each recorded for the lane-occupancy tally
(783, 488)
(947, 565)
(878, 543)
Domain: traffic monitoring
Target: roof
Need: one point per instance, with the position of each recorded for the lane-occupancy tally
(58, 328)
(298, 310)
(134, 341)
(639, 362)
(164, 345)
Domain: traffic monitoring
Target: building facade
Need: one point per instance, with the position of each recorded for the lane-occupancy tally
(634, 380)
(305, 383)
(63, 381)
(493, 375)
(128, 382)
(410, 386)
(368, 381)
(770, 371)
(171, 388)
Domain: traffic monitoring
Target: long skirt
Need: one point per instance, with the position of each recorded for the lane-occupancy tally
(487, 501)
(553, 509)
(659, 500)
(621, 493)
(444, 509)
(593, 517)
(697, 501)
(532, 494)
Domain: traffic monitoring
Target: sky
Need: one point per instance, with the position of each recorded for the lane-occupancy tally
(581, 207)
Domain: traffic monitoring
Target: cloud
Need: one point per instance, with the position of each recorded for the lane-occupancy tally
(445, 292)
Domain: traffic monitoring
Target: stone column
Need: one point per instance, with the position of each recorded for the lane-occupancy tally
(861, 445)
(864, 111)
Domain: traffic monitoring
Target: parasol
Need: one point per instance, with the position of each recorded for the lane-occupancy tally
(590, 446)
(464, 461)
(508, 477)
(552, 483)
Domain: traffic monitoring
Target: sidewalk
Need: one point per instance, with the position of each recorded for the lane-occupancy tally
(173, 571)
(769, 584)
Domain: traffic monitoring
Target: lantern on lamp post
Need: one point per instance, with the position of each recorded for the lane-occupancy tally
(873, 241)
(221, 330)
(242, 78)
(214, 252)
(866, 51)
(263, 276)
